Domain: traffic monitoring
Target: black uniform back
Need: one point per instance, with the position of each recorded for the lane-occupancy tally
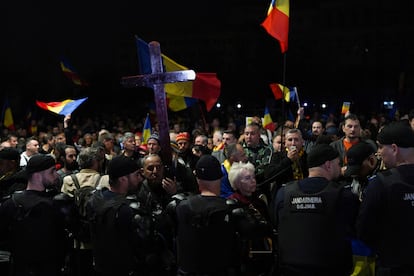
(36, 233)
(115, 236)
(396, 226)
(311, 232)
(255, 236)
(10, 183)
(206, 236)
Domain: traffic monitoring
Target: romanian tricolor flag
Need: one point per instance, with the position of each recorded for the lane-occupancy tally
(267, 121)
(205, 87)
(277, 22)
(7, 116)
(345, 107)
(174, 103)
(71, 73)
(146, 132)
(283, 92)
(62, 108)
(277, 90)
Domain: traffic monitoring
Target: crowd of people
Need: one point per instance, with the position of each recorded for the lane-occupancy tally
(316, 196)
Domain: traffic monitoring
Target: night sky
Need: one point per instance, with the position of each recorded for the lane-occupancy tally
(219, 36)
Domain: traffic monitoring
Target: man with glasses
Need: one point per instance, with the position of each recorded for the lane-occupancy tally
(362, 165)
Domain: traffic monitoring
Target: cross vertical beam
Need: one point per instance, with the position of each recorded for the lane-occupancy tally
(161, 103)
(156, 81)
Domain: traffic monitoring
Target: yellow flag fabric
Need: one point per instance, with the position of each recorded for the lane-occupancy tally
(267, 121)
(183, 89)
(146, 132)
(180, 95)
(286, 92)
(8, 121)
(363, 266)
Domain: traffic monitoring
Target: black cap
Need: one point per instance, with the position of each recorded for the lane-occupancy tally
(40, 162)
(154, 136)
(208, 168)
(399, 133)
(120, 166)
(356, 155)
(320, 153)
(9, 154)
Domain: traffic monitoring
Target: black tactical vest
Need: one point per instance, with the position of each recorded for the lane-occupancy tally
(205, 235)
(397, 225)
(36, 231)
(112, 243)
(309, 234)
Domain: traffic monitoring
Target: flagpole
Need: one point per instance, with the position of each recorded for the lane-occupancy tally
(297, 96)
(203, 117)
(277, 25)
(284, 115)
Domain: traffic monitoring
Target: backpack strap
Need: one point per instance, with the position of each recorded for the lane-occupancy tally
(97, 180)
(75, 180)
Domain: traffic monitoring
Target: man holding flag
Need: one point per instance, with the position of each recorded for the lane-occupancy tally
(65, 107)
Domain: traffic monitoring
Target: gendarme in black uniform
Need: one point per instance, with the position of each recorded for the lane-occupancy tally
(389, 230)
(314, 219)
(206, 236)
(204, 233)
(385, 221)
(12, 177)
(34, 226)
(37, 237)
(114, 232)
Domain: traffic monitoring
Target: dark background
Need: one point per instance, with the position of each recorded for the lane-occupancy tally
(360, 52)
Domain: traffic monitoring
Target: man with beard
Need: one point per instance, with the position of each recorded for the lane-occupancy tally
(317, 130)
(68, 157)
(351, 128)
(115, 234)
(32, 225)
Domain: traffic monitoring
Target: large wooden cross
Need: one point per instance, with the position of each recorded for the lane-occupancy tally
(156, 81)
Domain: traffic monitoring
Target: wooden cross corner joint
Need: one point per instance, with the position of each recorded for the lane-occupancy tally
(156, 81)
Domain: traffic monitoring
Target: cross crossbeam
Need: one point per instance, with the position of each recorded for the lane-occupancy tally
(156, 81)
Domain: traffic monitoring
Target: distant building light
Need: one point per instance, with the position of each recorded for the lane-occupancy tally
(305, 104)
(218, 105)
(388, 104)
(324, 106)
(239, 106)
